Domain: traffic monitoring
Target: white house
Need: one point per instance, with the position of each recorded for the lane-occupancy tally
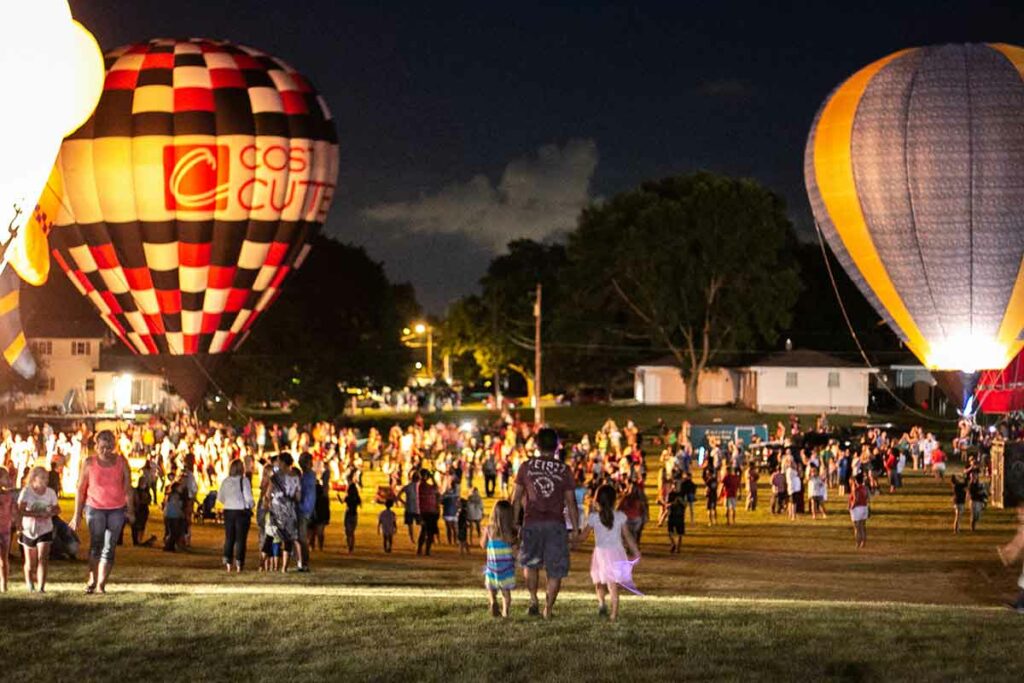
(803, 381)
(82, 370)
(660, 382)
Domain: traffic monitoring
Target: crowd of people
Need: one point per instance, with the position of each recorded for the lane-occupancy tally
(286, 476)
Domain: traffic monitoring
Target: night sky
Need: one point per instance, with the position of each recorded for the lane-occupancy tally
(465, 125)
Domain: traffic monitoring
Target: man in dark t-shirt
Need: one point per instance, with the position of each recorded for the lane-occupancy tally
(544, 491)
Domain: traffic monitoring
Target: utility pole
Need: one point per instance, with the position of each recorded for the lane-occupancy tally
(538, 412)
(430, 353)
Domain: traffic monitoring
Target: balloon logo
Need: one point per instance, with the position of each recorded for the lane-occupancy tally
(191, 195)
(915, 172)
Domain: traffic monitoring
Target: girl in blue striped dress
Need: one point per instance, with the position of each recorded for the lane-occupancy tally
(500, 572)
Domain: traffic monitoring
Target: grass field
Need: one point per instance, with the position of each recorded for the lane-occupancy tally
(399, 638)
(768, 599)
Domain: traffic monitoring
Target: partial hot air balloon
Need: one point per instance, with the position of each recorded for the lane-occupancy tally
(1002, 391)
(51, 87)
(915, 172)
(190, 196)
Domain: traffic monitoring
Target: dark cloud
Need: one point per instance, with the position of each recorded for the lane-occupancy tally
(441, 267)
(536, 197)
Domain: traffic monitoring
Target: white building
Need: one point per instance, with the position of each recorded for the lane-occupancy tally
(660, 382)
(803, 381)
(83, 370)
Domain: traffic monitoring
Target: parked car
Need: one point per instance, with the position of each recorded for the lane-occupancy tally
(584, 396)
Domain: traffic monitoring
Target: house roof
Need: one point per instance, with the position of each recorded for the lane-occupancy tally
(803, 358)
(723, 359)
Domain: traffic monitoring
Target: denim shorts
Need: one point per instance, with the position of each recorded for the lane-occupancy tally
(546, 544)
(104, 531)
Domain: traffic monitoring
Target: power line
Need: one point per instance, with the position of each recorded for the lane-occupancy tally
(853, 333)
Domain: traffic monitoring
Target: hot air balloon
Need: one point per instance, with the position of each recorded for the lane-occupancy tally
(191, 195)
(52, 87)
(915, 171)
(1002, 391)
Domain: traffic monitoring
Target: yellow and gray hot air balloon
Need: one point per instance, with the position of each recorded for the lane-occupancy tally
(915, 172)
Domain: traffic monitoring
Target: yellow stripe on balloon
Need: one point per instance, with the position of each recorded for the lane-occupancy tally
(1013, 53)
(9, 302)
(15, 348)
(30, 251)
(1012, 327)
(833, 172)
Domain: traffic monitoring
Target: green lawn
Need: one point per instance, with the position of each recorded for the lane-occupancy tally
(292, 637)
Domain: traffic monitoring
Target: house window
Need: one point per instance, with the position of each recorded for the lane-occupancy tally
(833, 380)
(90, 384)
(80, 348)
(45, 384)
(790, 379)
(43, 347)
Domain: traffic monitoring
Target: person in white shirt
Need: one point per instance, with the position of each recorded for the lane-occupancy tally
(818, 491)
(37, 505)
(235, 496)
(794, 487)
(928, 446)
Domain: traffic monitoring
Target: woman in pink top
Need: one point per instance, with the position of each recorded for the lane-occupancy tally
(104, 489)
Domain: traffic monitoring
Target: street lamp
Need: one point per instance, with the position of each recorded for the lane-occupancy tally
(418, 330)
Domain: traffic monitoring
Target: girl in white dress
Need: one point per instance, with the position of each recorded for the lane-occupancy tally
(610, 567)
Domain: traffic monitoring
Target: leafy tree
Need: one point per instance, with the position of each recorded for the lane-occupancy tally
(694, 264)
(497, 326)
(338, 320)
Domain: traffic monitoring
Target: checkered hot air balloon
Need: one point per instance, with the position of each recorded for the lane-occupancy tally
(191, 194)
(915, 171)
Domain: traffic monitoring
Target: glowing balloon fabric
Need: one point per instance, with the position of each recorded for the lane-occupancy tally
(51, 86)
(915, 171)
(192, 192)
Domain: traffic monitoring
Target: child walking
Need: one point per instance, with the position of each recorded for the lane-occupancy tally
(6, 519)
(38, 505)
(859, 510)
(499, 539)
(462, 526)
(610, 567)
(387, 525)
(752, 477)
(174, 518)
(675, 512)
(353, 501)
(711, 492)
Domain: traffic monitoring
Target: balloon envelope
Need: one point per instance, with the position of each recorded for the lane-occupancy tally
(192, 193)
(915, 172)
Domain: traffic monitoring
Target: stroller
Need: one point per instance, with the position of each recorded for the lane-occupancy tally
(208, 509)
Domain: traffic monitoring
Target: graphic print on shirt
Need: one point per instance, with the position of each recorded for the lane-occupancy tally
(543, 485)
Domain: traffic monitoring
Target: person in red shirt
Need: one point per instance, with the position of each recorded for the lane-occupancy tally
(730, 489)
(426, 501)
(890, 470)
(939, 463)
(544, 492)
(859, 510)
